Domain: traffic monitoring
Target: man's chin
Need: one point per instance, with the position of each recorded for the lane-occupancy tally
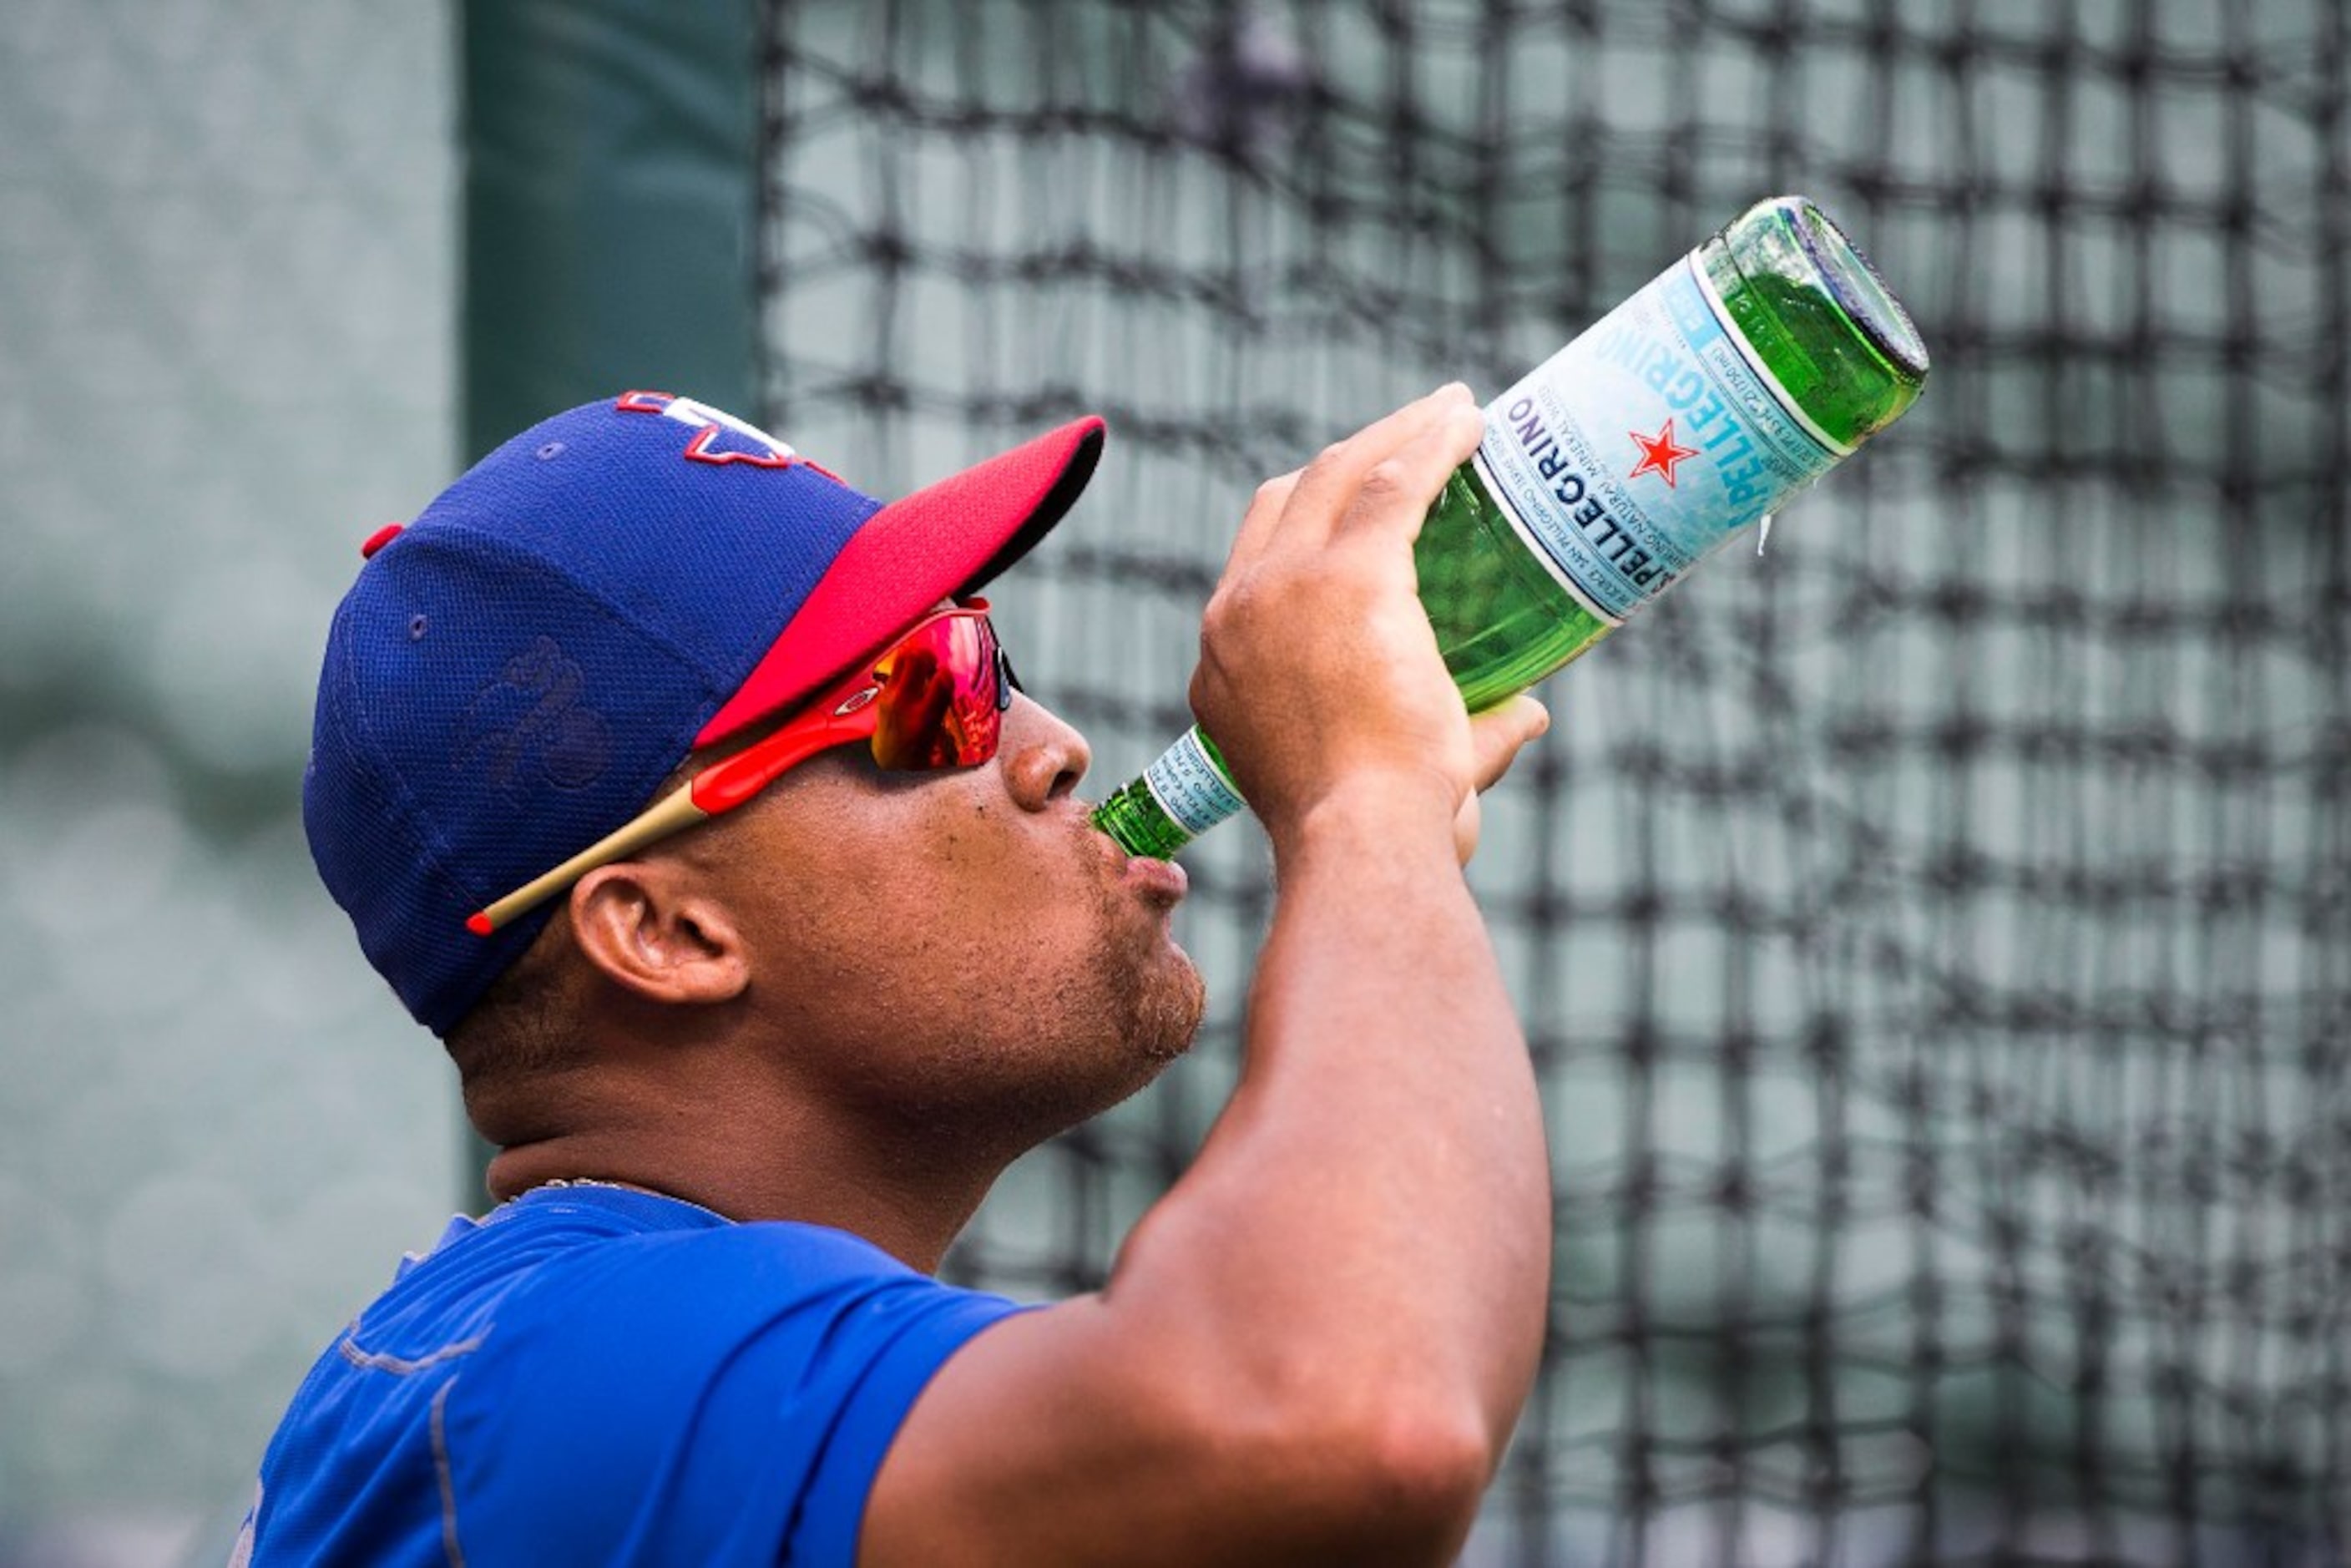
(1158, 1029)
(1166, 1012)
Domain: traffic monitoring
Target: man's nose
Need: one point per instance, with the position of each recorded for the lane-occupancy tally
(1043, 758)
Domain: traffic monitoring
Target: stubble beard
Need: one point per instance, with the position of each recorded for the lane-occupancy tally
(1147, 1019)
(1095, 1035)
(1163, 1012)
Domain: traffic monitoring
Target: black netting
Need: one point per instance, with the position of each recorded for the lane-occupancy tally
(1935, 935)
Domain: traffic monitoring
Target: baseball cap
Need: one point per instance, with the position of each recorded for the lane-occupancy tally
(516, 671)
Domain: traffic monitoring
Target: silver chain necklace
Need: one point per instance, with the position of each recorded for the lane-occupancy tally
(619, 1187)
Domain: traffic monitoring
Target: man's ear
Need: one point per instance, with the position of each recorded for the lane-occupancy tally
(649, 929)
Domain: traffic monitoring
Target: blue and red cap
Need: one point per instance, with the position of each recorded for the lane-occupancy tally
(516, 672)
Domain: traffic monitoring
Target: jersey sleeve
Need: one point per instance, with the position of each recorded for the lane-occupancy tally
(719, 1397)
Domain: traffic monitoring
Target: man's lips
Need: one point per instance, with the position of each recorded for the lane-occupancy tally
(1157, 881)
(1160, 881)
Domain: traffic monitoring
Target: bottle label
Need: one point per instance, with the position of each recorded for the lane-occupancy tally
(1190, 787)
(1645, 443)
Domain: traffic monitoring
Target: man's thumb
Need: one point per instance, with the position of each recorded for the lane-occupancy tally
(1497, 735)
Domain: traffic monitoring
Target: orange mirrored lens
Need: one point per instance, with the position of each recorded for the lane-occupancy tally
(940, 703)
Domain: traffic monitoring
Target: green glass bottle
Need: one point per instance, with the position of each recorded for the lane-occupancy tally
(1693, 409)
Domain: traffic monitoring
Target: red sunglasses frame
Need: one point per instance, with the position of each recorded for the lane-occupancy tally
(850, 711)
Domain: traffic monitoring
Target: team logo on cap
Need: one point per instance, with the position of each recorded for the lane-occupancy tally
(719, 437)
(532, 723)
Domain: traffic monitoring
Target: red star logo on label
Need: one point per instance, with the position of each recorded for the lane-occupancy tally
(1659, 452)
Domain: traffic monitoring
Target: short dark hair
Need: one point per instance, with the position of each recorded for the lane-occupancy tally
(524, 1024)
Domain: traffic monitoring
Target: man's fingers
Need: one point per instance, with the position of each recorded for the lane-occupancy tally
(1496, 738)
(1497, 735)
(1258, 524)
(1397, 491)
(1328, 489)
(1410, 451)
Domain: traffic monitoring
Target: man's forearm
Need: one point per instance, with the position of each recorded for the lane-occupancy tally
(1313, 1348)
(1374, 1209)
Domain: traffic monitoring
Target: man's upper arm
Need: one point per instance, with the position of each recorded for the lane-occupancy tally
(1080, 1435)
(1040, 1442)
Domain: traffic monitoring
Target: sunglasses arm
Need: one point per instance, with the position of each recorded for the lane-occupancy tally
(725, 785)
(721, 787)
(670, 814)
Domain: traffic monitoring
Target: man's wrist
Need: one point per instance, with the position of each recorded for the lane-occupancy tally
(1391, 813)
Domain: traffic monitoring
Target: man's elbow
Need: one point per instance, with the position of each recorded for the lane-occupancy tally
(1295, 1459)
(1394, 1483)
(1416, 1485)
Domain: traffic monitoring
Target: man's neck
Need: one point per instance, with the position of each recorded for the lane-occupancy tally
(748, 1158)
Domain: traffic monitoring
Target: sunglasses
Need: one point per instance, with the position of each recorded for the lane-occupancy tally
(933, 700)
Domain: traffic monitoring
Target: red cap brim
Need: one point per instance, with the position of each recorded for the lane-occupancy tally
(943, 541)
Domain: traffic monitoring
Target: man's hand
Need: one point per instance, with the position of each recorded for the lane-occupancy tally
(1494, 738)
(1319, 676)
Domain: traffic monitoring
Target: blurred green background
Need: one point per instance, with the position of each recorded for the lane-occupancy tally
(227, 266)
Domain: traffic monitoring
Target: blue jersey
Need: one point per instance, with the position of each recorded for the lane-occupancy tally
(595, 1374)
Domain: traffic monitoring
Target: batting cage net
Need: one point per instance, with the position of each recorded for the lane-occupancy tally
(1934, 934)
